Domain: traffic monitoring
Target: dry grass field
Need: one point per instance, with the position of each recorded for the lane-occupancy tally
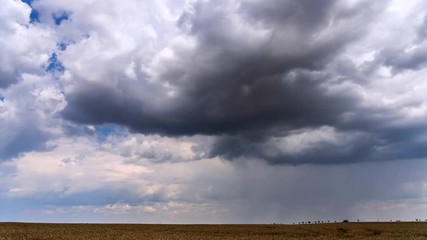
(401, 230)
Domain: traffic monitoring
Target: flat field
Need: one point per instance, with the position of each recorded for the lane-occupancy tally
(398, 230)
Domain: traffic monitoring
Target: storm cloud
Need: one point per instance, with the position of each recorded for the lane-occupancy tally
(251, 72)
(246, 70)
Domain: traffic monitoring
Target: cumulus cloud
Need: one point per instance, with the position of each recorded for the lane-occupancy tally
(25, 47)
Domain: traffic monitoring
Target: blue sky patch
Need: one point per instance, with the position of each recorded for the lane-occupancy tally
(102, 132)
(1, 98)
(34, 16)
(59, 18)
(62, 46)
(54, 65)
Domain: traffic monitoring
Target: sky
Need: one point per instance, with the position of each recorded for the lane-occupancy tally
(213, 111)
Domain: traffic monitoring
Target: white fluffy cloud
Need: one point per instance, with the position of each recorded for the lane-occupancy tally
(25, 47)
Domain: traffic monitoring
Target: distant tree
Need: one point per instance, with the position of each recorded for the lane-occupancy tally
(345, 221)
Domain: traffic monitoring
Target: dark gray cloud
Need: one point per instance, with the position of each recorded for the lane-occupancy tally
(226, 84)
(6, 79)
(399, 59)
(259, 71)
(293, 100)
(355, 149)
(23, 140)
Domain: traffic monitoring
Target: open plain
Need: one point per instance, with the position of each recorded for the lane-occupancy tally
(376, 230)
